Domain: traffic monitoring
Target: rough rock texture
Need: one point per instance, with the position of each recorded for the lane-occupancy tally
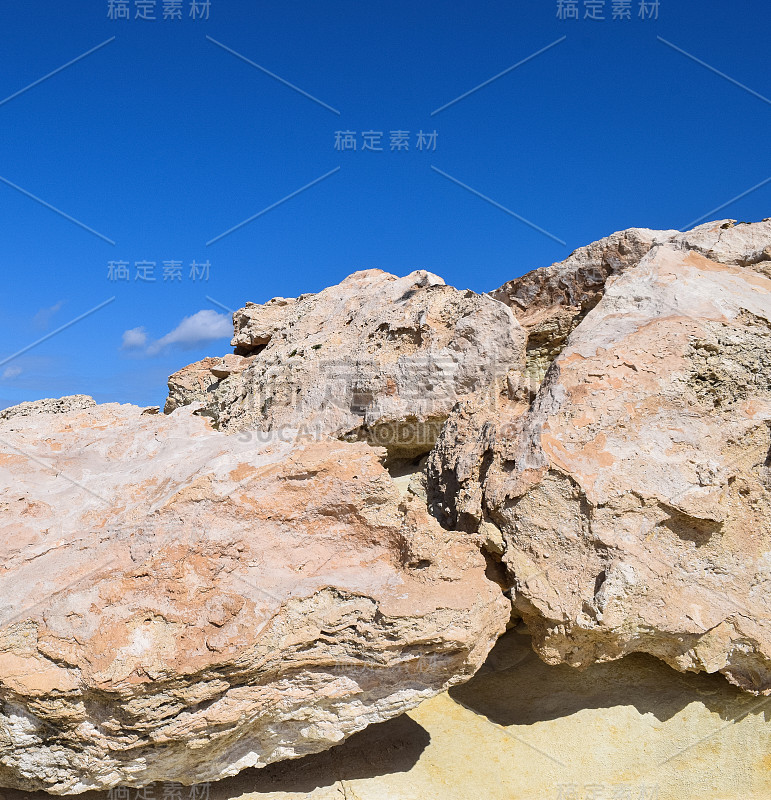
(179, 604)
(192, 384)
(551, 301)
(378, 358)
(635, 496)
(633, 729)
(457, 467)
(61, 405)
(746, 244)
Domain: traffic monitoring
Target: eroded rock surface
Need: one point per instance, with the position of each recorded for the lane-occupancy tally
(60, 405)
(376, 358)
(746, 244)
(632, 729)
(192, 384)
(179, 604)
(550, 302)
(634, 497)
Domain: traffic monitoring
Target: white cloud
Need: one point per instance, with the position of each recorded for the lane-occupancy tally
(134, 339)
(11, 372)
(197, 329)
(42, 319)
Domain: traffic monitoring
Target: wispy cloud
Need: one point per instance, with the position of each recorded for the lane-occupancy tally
(198, 329)
(43, 318)
(9, 373)
(134, 339)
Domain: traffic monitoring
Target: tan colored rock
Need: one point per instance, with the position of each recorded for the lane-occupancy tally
(633, 729)
(179, 604)
(746, 244)
(375, 358)
(551, 301)
(472, 439)
(255, 325)
(635, 499)
(230, 364)
(192, 384)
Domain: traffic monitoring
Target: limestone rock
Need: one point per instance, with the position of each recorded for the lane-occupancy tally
(375, 358)
(635, 496)
(192, 384)
(61, 405)
(746, 244)
(551, 301)
(180, 604)
(632, 729)
(230, 364)
(456, 470)
(255, 325)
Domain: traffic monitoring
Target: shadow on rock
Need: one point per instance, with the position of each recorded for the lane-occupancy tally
(514, 687)
(392, 746)
(387, 748)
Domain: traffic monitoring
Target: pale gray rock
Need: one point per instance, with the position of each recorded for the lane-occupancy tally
(550, 302)
(375, 358)
(194, 383)
(49, 405)
(746, 244)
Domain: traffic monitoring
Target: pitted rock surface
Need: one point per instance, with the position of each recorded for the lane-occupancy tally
(180, 604)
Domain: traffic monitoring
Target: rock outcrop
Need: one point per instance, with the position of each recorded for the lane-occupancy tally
(375, 358)
(180, 604)
(634, 497)
(292, 552)
(632, 729)
(61, 405)
(551, 301)
(745, 244)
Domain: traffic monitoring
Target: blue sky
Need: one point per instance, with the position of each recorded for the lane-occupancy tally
(162, 139)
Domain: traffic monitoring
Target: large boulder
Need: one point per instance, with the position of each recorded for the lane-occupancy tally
(375, 358)
(634, 498)
(179, 604)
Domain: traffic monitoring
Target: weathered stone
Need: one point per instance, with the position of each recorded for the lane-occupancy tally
(551, 301)
(180, 604)
(376, 358)
(230, 365)
(746, 244)
(635, 496)
(633, 729)
(192, 384)
(255, 325)
(60, 405)
(457, 467)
